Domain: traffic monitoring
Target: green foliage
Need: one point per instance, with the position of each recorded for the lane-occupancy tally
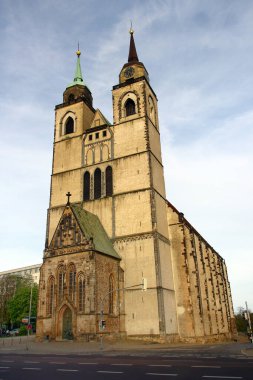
(9, 285)
(18, 305)
(241, 322)
(22, 330)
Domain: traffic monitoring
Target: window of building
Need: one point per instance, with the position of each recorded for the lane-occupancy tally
(108, 181)
(69, 126)
(71, 98)
(111, 294)
(81, 293)
(50, 295)
(90, 137)
(86, 186)
(97, 183)
(72, 282)
(104, 133)
(61, 280)
(97, 135)
(130, 107)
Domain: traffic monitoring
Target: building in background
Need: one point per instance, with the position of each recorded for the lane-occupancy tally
(116, 227)
(33, 270)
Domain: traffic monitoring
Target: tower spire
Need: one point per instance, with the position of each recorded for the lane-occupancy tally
(132, 56)
(78, 77)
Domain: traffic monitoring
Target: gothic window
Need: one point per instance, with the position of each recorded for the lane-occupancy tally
(61, 280)
(86, 186)
(97, 183)
(108, 181)
(69, 126)
(50, 295)
(130, 107)
(72, 282)
(81, 293)
(111, 294)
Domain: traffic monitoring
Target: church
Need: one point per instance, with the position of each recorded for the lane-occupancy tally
(120, 260)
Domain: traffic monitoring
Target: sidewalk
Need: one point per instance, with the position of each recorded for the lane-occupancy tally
(24, 345)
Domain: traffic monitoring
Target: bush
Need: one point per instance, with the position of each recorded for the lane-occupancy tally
(23, 330)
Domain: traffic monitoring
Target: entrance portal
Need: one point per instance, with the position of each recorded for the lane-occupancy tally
(67, 325)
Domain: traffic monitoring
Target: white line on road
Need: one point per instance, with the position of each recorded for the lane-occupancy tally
(57, 362)
(162, 374)
(206, 366)
(27, 361)
(7, 361)
(67, 370)
(223, 377)
(109, 372)
(88, 363)
(4, 367)
(33, 369)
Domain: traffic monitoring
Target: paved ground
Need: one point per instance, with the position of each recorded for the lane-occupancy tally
(22, 345)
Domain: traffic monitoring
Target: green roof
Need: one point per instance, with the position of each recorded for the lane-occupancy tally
(78, 77)
(92, 227)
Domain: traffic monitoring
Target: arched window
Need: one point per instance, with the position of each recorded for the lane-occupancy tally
(50, 295)
(86, 186)
(130, 107)
(69, 126)
(97, 183)
(71, 97)
(72, 282)
(61, 281)
(111, 294)
(81, 293)
(108, 181)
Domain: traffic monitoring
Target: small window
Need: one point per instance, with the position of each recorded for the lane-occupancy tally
(69, 126)
(71, 98)
(97, 135)
(97, 183)
(130, 107)
(108, 180)
(104, 133)
(90, 137)
(86, 186)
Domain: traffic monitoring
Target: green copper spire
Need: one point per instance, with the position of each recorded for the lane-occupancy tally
(78, 79)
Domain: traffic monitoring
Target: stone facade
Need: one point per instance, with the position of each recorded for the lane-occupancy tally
(115, 171)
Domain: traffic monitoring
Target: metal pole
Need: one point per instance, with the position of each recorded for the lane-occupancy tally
(249, 322)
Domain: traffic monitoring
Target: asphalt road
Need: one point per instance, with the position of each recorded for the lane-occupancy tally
(134, 366)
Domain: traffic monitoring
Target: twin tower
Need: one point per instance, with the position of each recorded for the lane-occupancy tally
(117, 228)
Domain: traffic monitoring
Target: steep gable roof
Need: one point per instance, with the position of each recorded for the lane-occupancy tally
(92, 228)
(99, 119)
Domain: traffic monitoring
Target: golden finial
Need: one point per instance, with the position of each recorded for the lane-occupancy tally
(78, 53)
(131, 31)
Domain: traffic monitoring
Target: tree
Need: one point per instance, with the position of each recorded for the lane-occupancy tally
(9, 285)
(18, 306)
(241, 322)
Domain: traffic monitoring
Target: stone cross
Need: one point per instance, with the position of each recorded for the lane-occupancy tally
(68, 195)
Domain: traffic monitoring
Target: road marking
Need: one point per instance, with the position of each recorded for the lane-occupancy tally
(125, 364)
(109, 372)
(4, 367)
(159, 365)
(7, 361)
(33, 369)
(30, 362)
(67, 370)
(206, 366)
(88, 363)
(162, 374)
(223, 377)
(57, 362)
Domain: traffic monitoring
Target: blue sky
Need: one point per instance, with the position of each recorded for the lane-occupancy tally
(199, 55)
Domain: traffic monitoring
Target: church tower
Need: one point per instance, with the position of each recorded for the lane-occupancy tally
(141, 230)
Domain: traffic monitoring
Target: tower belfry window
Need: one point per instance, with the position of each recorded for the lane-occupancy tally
(69, 127)
(86, 186)
(130, 107)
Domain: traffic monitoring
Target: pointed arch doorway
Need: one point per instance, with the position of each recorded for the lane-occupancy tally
(67, 332)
